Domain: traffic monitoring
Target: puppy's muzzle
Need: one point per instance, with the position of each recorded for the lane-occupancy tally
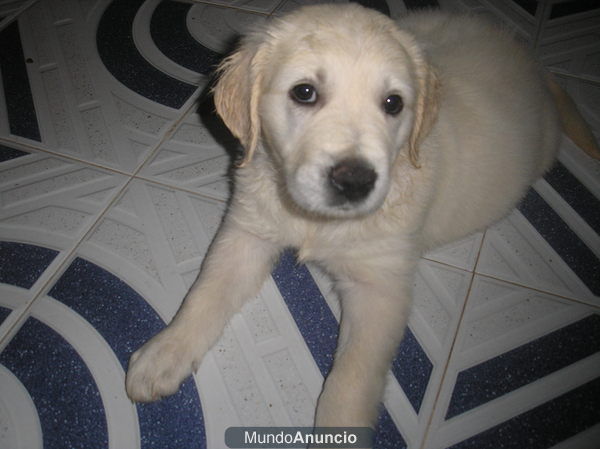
(351, 180)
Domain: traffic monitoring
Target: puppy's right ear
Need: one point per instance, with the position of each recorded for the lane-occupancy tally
(237, 93)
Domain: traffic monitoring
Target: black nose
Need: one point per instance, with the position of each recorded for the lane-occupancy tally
(353, 179)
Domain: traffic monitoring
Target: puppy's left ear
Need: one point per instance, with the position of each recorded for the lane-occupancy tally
(426, 103)
(237, 93)
(426, 109)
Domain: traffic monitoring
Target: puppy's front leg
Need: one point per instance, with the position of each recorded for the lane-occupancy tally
(374, 314)
(234, 269)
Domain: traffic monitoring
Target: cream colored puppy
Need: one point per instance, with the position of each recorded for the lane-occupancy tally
(367, 142)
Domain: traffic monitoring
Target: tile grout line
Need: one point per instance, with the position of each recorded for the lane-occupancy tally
(183, 189)
(6, 21)
(29, 145)
(538, 290)
(452, 347)
(276, 8)
(68, 254)
(231, 7)
(460, 322)
(517, 284)
(135, 174)
(168, 133)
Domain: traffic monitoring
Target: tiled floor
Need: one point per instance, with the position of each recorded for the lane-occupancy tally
(112, 185)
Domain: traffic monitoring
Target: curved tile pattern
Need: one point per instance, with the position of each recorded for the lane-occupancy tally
(126, 321)
(22, 117)
(22, 264)
(64, 392)
(65, 395)
(169, 32)
(121, 57)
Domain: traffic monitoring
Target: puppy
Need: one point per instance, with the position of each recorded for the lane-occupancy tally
(366, 143)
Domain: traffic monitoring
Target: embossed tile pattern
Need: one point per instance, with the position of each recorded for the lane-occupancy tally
(114, 177)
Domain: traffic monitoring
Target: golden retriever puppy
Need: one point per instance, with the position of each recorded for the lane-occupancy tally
(367, 142)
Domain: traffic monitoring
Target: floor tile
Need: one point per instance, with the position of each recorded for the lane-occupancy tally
(260, 6)
(514, 251)
(49, 203)
(217, 28)
(518, 355)
(88, 101)
(462, 254)
(197, 157)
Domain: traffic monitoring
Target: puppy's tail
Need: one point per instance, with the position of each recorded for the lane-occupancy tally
(573, 123)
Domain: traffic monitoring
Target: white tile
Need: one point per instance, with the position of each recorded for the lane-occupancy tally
(52, 202)
(514, 251)
(198, 157)
(82, 110)
(291, 5)
(500, 317)
(156, 236)
(218, 28)
(462, 254)
(260, 6)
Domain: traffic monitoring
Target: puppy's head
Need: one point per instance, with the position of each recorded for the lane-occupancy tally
(334, 94)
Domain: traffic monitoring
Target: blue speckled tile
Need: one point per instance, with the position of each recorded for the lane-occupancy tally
(22, 264)
(575, 194)
(19, 104)
(125, 321)
(563, 240)
(8, 153)
(516, 351)
(170, 34)
(116, 311)
(412, 368)
(122, 58)
(544, 426)
(520, 366)
(67, 401)
(4, 312)
(314, 319)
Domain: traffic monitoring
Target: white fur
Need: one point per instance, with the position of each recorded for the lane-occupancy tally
(478, 127)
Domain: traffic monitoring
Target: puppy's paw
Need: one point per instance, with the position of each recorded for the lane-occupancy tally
(159, 367)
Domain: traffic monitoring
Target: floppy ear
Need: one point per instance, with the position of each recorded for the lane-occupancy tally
(426, 109)
(426, 104)
(236, 95)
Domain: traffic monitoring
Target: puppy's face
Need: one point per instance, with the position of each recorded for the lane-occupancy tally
(335, 112)
(336, 99)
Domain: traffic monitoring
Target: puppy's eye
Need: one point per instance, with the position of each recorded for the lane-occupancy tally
(393, 104)
(304, 93)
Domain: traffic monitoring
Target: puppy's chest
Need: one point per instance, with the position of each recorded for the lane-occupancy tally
(320, 246)
(330, 242)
